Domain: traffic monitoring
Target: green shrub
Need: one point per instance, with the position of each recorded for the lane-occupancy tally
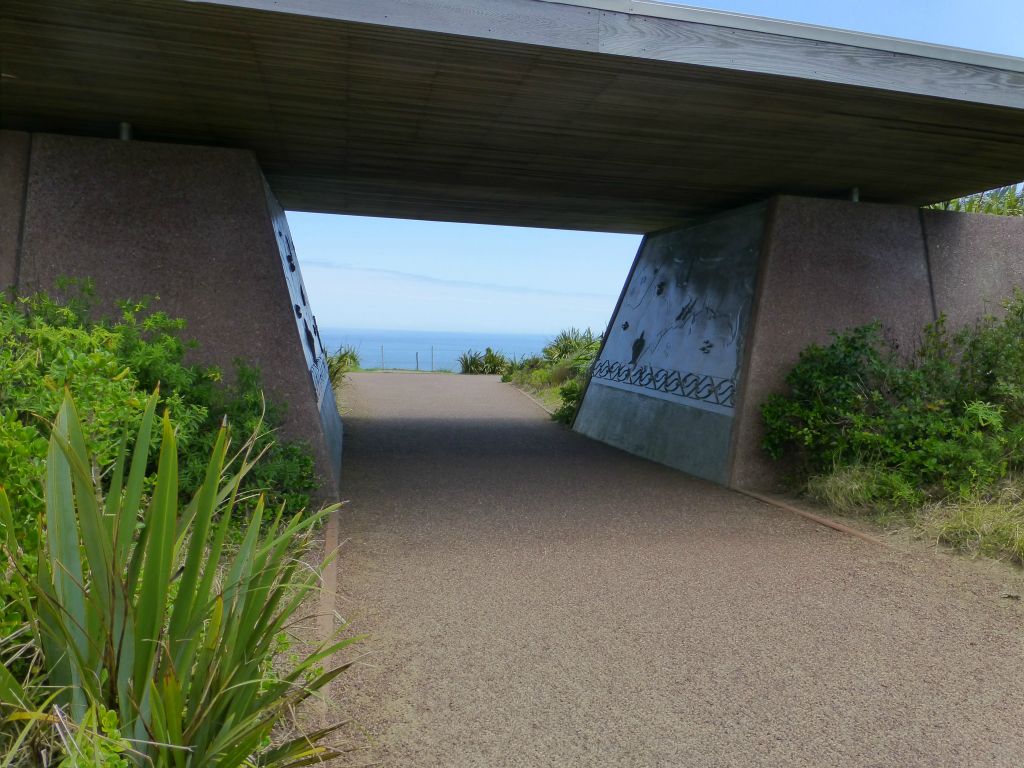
(471, 362)
(343, 360)
(494, 362)
(570, 343)
(50, 344)
(519, 369)
(1004, 201)
(285, 475)
(488, 361)
(96, 742)
(137, 612)
(947, 421)
(572, 395)
(565, 365)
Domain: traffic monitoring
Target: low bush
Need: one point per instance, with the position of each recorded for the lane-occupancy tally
(563, 367)
(487, 362)
(471, 362)
(148, 639)
(571, 394)
(866, 428)
(949, 419)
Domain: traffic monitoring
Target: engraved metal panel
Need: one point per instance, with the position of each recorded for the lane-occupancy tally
(680, 329)
(305, 322)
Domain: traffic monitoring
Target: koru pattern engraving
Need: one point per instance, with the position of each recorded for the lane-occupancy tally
(691, 386)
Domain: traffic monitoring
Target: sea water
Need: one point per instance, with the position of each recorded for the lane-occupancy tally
(429, 350)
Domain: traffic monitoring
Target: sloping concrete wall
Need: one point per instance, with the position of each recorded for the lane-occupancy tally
(193, 226)
(664, 384)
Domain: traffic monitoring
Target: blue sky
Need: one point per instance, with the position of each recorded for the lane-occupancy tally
(407, 275)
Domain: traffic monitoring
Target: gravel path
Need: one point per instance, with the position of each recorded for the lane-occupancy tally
(538, 599)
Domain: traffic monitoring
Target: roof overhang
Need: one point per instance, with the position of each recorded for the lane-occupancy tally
(613, 115)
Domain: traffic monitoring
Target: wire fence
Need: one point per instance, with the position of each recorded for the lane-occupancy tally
(428, 357)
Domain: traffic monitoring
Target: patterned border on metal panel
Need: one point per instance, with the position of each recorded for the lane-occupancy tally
(692, 386)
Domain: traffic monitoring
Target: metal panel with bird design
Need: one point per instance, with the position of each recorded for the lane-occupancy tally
(680, 329)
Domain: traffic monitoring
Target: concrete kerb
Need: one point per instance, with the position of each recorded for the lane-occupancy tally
(786, 506)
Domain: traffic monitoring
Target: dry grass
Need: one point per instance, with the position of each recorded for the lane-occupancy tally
(862, 489)
(993, 527)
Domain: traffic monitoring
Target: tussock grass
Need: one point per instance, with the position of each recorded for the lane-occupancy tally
(993, 527)
(863, 489)
(990, 525)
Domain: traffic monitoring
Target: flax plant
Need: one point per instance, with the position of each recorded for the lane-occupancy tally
(138, 611)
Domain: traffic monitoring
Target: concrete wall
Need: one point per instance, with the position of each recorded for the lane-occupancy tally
(192, 225)
(976, 262)
(14, 154)
(828, 265)
(664, 384)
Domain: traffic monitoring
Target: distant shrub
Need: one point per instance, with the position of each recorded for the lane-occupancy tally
(571, 343)
(494, 362)
(565, 363)
(471, 362)
(1004, 201)
(343, 360)
(521, 367)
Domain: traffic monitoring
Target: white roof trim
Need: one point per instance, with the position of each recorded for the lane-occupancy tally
(675, 12)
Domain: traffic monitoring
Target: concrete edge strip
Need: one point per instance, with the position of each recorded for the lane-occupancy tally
(820, 520)
(328, 604)
(533, 399)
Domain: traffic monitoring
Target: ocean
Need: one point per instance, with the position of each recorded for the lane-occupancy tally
(429, 350)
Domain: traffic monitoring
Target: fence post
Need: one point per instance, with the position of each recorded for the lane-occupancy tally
(382, 357)
(431, 358)
(417, 360)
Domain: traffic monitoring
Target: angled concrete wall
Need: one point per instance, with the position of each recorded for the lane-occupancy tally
(823, 265)
(665, 382)
(194, 226)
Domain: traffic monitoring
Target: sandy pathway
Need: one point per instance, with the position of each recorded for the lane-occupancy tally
(538, 599)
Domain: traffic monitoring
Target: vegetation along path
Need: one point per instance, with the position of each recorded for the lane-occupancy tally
(534, 598)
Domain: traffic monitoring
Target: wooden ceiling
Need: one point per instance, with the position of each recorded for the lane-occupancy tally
(405, 119)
